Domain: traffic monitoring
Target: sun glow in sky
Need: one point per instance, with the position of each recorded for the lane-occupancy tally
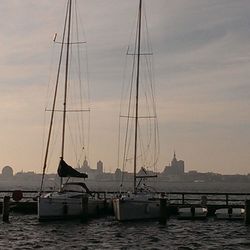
(202, 61)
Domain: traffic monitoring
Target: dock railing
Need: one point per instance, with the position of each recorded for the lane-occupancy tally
(207, 198)
(175, 198)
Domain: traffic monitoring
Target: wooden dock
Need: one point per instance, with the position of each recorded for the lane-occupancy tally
(211, 200)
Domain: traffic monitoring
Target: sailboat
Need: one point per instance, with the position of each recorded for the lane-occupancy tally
(143, 202)
(70, 200)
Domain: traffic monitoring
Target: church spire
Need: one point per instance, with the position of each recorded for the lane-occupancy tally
(85, 162)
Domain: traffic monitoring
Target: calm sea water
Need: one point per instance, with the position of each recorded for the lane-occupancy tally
(25, 232)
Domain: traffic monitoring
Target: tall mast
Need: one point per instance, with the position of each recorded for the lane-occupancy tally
(54, 102)
(66, 86)
(66, 81)
(137, 90)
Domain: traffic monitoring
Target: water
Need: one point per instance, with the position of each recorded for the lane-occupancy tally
(25, 232)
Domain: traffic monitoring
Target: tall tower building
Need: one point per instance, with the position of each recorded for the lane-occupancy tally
(99, 167)
(175, 168)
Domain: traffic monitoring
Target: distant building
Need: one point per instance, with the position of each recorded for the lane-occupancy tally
(92, 173)
(175, 168)
(85, 166)
(144, 172)
(123, 175)
(118, 174)
(99, 167)
(7, 172)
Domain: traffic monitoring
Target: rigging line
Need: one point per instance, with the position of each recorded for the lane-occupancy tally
(137, 90)
(149, 63)
(142, 154)
(124, 72)
(149, 125)
(123, 95)
(156, 138)
(130, 141)
(145, 148)
(49, 95)
(81, 124)
(54, 139)
(148, 40)
(54, 101)
(79, 20)
(71, 93)
(149, 104)
(43, 140)
(88, 94)
(118, 144)
(156, 121)
(151, 67)
(46, 104)
(123, 88)
(66, 81)
(157, 142)
(66, 86)
(129, 107)
(151, 75)
(151, 78)
(53, 142)
(87, 152)
(128, 135)
(73, 141)
(119, 120)
(88, 102)
(151, 85)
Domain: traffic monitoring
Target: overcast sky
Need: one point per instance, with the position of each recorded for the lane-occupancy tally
(202, 70)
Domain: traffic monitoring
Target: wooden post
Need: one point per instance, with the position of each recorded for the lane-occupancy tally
(230, 211)
(163, 211)
(204, 200)
(6, 208)
(247, 212)
(84, 215)
(227, 199)
(183, 199)
(105, 206)
(192, 210)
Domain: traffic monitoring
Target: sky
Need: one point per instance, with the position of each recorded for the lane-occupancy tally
(201, 60)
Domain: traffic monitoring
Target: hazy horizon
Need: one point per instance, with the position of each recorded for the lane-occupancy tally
(201, 56)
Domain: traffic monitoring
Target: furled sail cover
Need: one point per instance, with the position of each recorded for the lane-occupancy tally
(64, 170)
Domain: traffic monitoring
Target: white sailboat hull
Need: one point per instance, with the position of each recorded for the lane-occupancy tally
(60, 206)
(136, 209)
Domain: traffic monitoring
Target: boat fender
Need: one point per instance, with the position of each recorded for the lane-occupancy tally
(65, 209)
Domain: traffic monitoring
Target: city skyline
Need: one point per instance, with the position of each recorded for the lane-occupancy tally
(201, 54)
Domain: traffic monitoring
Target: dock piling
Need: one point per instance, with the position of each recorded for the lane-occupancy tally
(6, 208)
(84, 216)
(163, 211)
(192, 210)
(247, 212)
